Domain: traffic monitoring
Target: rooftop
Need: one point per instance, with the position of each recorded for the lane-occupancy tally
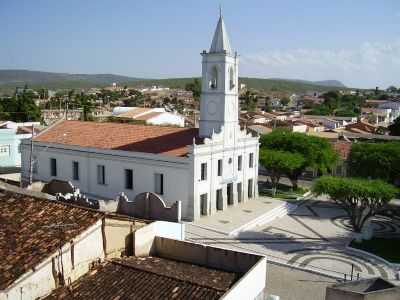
(126, 137)
(148, 278)
(25, 238)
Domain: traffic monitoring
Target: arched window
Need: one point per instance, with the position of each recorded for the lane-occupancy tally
(213, 83)
(231, 78)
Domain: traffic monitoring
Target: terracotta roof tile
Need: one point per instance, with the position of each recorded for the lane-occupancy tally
(116, 136)
(148, 278)
(25, 241)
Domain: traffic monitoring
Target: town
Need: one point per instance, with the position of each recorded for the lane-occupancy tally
(210, 187)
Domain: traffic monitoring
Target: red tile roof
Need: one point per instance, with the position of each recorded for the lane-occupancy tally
(25, 241)
(343, 148)
(148, 278)
(116, 136)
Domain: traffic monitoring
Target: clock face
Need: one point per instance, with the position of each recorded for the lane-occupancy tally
(212, 108)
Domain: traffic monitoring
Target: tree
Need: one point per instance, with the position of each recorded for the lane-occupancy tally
(21, 108)
(249, 101)
(317, 152)
(394, 129)
(195, 88)
(285, 101)
(375, 160)
(279, 163)
(360, 198)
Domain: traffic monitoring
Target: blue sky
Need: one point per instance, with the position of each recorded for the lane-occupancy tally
(357, 41)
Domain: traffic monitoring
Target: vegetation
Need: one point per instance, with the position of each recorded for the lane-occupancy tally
(249, 101)
(339, 105)
(360, 198)
(383, 247)
(375, 160)
(279, 163)
(9, 79)
(20, 108)
(195, 88)
(394, 129)
(317, 153)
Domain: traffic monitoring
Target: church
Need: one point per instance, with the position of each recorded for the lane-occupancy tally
(208, 169)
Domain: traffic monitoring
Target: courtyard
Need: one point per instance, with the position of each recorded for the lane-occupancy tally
(312, 236)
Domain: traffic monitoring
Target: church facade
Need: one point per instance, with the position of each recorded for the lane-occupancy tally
(208, 169)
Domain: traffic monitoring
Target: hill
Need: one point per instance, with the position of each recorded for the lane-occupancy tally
(9, 79)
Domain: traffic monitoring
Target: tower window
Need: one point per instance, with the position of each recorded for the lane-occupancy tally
(213, 83)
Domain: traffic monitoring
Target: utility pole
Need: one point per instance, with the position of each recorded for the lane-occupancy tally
(31, 157)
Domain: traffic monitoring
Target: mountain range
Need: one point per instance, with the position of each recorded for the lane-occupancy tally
(10, 79)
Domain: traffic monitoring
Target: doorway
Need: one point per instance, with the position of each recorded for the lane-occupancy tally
(239, 192)
(229, 193)
(203, 204)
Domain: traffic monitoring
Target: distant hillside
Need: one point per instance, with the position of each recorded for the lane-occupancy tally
(9, 79)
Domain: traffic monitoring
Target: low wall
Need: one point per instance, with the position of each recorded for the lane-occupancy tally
(149, 206)
(252, 268)
(144, 238)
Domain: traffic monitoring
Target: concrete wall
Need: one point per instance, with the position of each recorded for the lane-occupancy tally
(144, 238)
(253, 267)
(149, 206)
(118, 235)
(86, 248)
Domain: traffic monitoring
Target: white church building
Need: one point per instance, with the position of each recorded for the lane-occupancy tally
(208, 169)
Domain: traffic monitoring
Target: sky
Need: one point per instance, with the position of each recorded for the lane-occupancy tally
(354, 41)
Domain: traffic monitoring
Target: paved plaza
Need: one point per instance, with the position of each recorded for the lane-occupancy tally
(312, 237)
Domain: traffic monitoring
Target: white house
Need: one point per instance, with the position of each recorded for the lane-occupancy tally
(151, 116)
(207, 169)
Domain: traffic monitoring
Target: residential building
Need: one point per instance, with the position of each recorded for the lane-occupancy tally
(152, 116)
(54, 250)
(11, 135)
(176, 163)
(378, 116)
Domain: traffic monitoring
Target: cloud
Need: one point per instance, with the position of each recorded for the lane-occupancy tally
(368, 65)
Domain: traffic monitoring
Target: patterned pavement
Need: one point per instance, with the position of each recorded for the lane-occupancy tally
(313, 237)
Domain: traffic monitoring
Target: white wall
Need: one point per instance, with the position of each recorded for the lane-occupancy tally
(88, 247)
(176, 170)
(251, 285)
(168, 119)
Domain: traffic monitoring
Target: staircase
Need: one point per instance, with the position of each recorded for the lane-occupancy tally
(275, 213)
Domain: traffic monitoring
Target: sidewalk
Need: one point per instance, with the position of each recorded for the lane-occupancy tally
(238, 216)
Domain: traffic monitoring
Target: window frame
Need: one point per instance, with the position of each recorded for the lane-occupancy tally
(75, 170)
(101, 175)
(128, 179)
(219, 167)
(203, 171)
(53, 167)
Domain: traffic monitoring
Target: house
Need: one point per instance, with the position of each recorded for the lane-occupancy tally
(394, 106)
(378, 116)
(208, 169)
(152, 116)
(54, 250)
(11, 135)
(332, 122)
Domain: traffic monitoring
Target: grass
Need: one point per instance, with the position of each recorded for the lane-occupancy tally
(383, 247)
(284, 192)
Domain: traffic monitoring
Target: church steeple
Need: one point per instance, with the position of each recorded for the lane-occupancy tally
(220, 42)
(219, 108)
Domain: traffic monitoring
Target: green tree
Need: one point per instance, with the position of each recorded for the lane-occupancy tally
(279, 163)
(195, 88)
(375, 160)
(394, 129)
(285, 101)
(360, 198)
(317, 152)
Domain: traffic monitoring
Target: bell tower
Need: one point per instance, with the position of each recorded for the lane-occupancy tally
(219, 106)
